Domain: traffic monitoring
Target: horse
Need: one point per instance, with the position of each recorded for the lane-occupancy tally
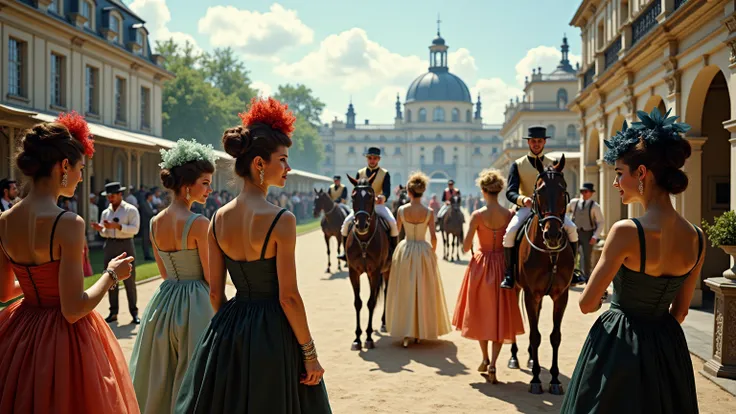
(331, 223)
(546, 265)
(401, 199)
(452, 224)
(367, 252)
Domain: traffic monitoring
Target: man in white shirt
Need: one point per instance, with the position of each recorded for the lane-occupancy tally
(94, 215)
(8, 193)
(120, 223)
(588, 217)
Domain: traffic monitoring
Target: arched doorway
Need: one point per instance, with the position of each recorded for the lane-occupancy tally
(437, 183)
(655, 101)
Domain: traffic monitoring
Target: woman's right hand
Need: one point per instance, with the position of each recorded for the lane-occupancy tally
(314, 373)
(122, 266)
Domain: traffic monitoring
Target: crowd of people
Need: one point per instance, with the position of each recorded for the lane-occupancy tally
(195, 346)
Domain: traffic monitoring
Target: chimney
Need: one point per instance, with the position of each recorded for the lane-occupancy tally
(366, 122)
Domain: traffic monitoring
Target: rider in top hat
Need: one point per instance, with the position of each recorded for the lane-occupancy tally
(521, 183)
(588, 217)
(382, 187)
(339, 193)
(447, 195)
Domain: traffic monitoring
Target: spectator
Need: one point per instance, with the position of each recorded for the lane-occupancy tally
(94, 216)
(9, 190)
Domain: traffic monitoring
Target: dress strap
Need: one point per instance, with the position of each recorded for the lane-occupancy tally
(268, 235)
(700, 247)
(53, 230)
(187, 227)
(153, 236)
(214, 230)
(642, 245)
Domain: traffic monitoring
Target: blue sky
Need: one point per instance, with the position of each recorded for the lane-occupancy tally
(372, 50)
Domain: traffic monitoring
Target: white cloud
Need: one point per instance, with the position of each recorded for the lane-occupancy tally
(254, 33)
(546, 57)
(157, 16)
(462, 64)
(328, 115)
(494, 95)
(264, 89)
(386, 98)
(355, 62)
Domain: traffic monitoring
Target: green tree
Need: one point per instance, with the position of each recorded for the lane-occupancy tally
(301, 102)
(306, 150)
(227, 73)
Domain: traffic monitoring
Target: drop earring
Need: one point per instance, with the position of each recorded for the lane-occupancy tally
(188, 196)
(641, 187)
(261, 175)
(65, 179)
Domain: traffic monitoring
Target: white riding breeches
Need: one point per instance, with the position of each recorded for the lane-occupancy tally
(518, 220)
(443, 210)
(382, 211)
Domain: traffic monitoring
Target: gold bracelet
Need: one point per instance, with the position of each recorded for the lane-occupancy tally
(308, 344)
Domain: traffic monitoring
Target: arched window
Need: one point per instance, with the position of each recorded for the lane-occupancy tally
(422, 115)
(572, 132)
(551, 131)
(562, 98)
(88, 12)
(439, 115)
(328, 148)
(438, 156)
(468, 116)
(408, 115)
(115, 25)
(455, 115)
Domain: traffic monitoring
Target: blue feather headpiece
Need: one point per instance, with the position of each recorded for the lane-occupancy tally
(653, 128)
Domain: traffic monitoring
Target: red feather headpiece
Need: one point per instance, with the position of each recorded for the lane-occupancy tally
(79, 130)
(270, 112)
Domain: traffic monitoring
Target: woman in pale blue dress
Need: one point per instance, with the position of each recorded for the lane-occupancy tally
(179, 310)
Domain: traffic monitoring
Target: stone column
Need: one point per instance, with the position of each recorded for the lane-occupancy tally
(691, 200)
(668, 6)
(129, 170)
(723, 361)
(138, 158)
(591, 175)
(608, 198)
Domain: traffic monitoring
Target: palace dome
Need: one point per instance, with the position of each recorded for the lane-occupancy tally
(438, 85)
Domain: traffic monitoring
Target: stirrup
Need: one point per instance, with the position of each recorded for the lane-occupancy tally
(505, 282)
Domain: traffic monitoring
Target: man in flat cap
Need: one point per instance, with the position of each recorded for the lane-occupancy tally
(588, 217)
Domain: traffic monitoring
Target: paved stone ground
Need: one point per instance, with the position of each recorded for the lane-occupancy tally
(434, 376)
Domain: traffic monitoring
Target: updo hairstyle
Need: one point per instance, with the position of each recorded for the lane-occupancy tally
(417, 184)
(43, 146)
(266, 126)
(664, 159)
(186, 174)
(490, 181)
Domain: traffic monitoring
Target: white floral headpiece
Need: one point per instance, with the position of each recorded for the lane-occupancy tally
(186, 151)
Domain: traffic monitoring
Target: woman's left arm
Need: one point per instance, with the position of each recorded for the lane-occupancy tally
(615, 251)
(200, 229)
(681, 304)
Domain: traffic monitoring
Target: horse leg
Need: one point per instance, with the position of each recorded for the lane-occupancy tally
(535, 338)
(329, 264)
(555, 387)
(514, 361)
(355, 281)
(458, 242)
(385, 293)
(339, 250)
(444, 244)
(375, 286)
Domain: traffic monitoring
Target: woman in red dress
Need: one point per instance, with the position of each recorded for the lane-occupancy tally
(57, 354)
(484, 311)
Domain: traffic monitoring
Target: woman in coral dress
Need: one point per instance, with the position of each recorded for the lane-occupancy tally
(415, 302)
(484, 311)
(57, 354)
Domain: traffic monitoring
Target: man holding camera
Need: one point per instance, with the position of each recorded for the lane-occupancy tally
(120, 223)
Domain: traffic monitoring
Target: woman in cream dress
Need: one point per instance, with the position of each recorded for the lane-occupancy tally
(415, 303)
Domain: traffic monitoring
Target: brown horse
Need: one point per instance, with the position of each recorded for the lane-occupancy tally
(452, 225)
(545, 267)
(367, 252)
(401, 199)
(331, 222)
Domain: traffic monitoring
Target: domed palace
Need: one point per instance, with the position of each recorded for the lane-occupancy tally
(438, 129)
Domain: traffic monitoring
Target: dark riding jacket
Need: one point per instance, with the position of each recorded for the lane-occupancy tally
(385, 186)
(522, 176)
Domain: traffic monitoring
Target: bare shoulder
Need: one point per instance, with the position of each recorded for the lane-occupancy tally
(201, 225)
(285, 227)
(623, 231)
(70, 228)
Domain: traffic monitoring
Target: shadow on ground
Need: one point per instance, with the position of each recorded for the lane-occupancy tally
(390, 357)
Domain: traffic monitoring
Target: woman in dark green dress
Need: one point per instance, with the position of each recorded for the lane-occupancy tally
(257, 355)
(635, 359)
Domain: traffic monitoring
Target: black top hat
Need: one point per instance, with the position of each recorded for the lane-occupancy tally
(537, 131)
(373, 151)
(450, 182)
(335, 177)
(588, 187)
(112, 188)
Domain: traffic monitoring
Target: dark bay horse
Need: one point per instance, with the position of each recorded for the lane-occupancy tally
(331, 222)
(452, 225)
(366, 249)
(401, 199)
(546, 267)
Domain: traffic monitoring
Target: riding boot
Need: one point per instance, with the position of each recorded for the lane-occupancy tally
(508, 278)
(343, 256)
(577, 278)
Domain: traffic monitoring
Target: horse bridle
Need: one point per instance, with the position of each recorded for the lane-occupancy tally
(365, 213)
(544, 217)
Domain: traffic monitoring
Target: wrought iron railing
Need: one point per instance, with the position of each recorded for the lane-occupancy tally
(588, 77)
(645, 22)
(679, 3)
(611, 54)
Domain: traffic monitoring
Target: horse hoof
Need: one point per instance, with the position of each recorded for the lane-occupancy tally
(369, 344)
(328, 270)
(536, 388)
(530, 364)
(355, 346)
(514, 363)
(556, 389)
(383, 329)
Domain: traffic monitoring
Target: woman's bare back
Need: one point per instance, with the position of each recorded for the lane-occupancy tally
(493, 216)
(168, 228)
(415, 213)
(241, 228)
(25, 231)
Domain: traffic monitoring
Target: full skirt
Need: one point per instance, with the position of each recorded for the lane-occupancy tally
(172, 323)
(48, 365)
(632, 365)
(415, 302)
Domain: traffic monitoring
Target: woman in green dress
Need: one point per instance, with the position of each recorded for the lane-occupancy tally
(635, 359)
(257, 354)
(179, 310)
